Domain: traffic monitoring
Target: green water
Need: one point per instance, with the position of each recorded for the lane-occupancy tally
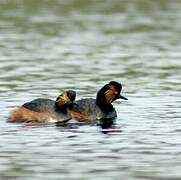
(48, 46)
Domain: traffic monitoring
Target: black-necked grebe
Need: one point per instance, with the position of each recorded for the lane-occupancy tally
(45, 110)
(100, 108)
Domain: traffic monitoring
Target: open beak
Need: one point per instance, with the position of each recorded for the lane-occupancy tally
(122, 97)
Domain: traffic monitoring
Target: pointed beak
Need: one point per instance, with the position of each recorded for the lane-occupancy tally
(122, 97)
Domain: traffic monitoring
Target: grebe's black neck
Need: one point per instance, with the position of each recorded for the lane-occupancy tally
(104, 106)
(62, 108)
(102, 102)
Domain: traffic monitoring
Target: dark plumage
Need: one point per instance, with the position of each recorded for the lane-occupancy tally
(90, 109)
(45, 110)
(40, 105)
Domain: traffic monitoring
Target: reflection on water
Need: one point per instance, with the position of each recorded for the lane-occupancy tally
(50, 46)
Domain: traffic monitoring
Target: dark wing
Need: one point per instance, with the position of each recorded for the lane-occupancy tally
(89, 105)
(40, 105)
(87, 109)
(84, 105)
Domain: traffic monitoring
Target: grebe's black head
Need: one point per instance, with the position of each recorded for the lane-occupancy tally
(71, 95)
(66, 98)
(110, 92)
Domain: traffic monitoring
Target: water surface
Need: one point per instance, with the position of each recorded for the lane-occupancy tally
(47, 47)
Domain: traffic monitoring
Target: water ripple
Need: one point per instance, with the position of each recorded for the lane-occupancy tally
(49, 47)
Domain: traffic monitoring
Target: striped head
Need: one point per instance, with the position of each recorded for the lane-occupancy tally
(110, 92)
(66, 99)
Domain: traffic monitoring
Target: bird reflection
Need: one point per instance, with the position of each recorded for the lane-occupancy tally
(108, 126)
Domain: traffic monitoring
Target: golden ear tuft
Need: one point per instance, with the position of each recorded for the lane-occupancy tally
(110, 93)
(62, 100)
